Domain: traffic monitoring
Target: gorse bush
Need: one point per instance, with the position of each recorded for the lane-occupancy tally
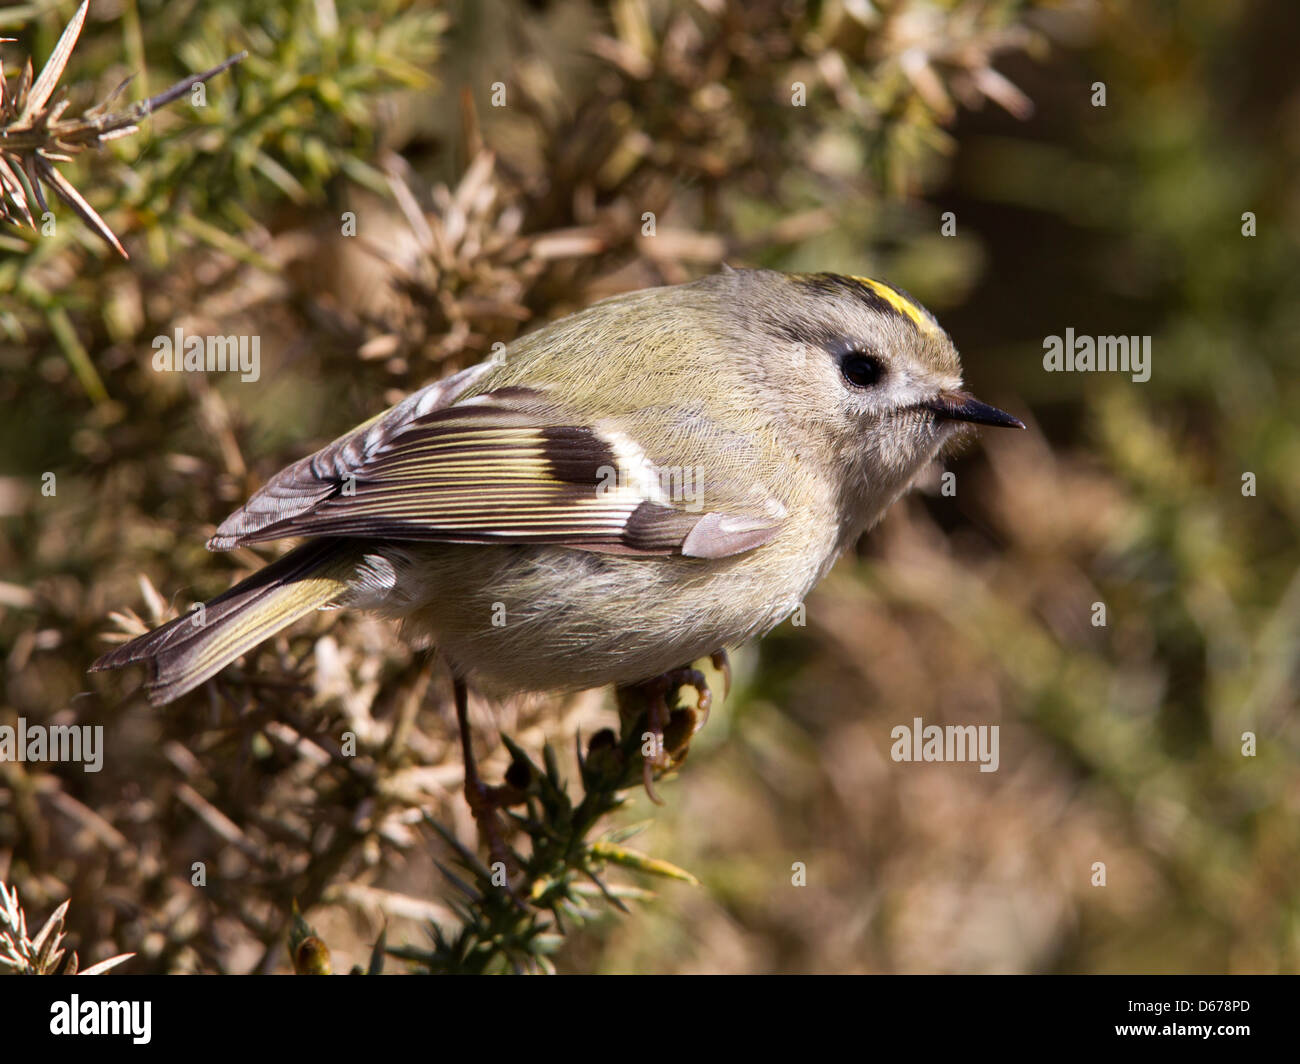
(381, 192)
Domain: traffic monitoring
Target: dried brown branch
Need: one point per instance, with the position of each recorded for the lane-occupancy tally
(34, 135)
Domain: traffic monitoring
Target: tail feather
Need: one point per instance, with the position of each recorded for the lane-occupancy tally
(183, 653)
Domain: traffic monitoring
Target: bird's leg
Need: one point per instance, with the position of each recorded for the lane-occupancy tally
(484, 801)
(657, 715)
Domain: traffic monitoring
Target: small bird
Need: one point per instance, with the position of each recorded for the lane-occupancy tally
(642, 484)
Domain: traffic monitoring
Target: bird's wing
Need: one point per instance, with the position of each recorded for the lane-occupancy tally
(507, 466)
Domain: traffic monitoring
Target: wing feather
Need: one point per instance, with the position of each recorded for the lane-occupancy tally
(507, 466)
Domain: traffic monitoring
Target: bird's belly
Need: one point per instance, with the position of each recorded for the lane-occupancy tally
(551, 619)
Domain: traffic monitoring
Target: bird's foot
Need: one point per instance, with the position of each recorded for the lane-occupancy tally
(669, 731)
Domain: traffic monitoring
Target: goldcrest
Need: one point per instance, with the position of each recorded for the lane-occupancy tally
(663, 475)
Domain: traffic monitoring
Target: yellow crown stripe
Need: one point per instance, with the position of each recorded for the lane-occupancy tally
(899, 302)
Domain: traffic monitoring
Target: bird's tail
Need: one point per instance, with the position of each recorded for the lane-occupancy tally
(190, 649)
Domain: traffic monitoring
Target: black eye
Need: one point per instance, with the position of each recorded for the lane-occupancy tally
(861, 370)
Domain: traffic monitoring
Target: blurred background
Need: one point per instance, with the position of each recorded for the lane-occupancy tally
(498, 161)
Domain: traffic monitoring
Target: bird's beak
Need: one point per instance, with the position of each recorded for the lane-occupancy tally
(960, 406)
